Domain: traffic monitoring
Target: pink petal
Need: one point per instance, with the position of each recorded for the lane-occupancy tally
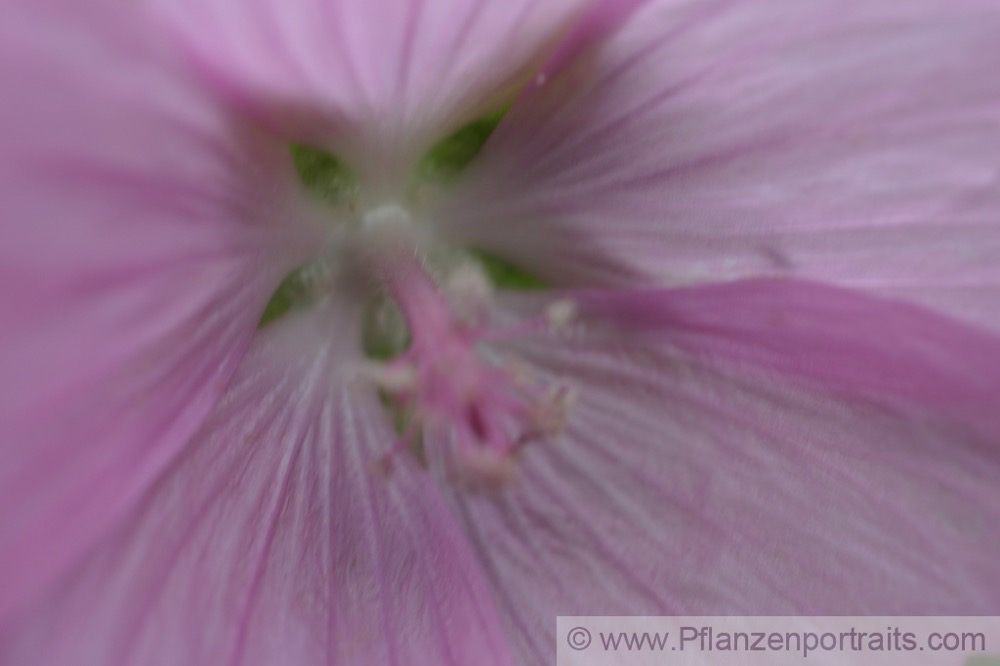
(142, 236)
(603, 18)
(378, 81)
(719, 461)
(272, 541)
(856, 143)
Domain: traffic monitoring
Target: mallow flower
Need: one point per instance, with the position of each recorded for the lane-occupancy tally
(266, 398)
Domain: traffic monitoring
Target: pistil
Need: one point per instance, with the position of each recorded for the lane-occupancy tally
(475, 413)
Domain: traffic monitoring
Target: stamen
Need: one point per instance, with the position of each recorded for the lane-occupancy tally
(388, 377)
(468, 292)
(389, 216)
(556, 317)
(551, 414)
(561, 314)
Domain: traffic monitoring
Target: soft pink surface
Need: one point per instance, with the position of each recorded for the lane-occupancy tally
(134, 265)
(756, 447)
(272, 540)
(851, 142)
(842, 339)
(377, 81)
(705, 473)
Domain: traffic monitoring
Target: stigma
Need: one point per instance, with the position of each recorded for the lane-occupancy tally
(465, 409)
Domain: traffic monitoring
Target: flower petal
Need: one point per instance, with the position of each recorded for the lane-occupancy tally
(143, 233)
(720, 462)
(378, 81)
(272, 541)
(856, 143)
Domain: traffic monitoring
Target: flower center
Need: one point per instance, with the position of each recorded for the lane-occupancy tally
(475, 409)
(460, 406)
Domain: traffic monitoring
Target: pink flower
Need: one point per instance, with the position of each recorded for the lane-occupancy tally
(764, 381)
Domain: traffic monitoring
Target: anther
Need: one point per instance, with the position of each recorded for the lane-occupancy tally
(560, 314)
(469, 292)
